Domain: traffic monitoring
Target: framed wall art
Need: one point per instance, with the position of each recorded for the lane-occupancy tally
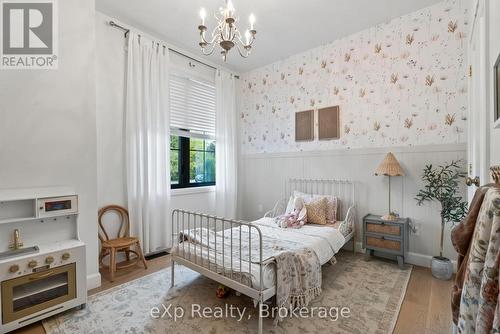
(329, 123)
(304, 125)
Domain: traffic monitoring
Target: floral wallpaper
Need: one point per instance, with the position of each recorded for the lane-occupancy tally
(397, 84)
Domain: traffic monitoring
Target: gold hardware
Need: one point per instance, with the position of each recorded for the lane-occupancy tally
(470, 71)
(14, 268)
(469, 181)
(49, 259)
(17, 244)
(65, 256)
(32, 264)
(44, 275)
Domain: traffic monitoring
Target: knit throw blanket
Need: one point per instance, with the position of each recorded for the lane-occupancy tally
(298, 269)
(298, 274)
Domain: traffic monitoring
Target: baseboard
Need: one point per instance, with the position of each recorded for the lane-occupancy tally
(93, 281)
(424, 260)
(359, 247)
(417, 259)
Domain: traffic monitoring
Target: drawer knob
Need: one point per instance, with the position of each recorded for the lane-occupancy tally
(32, 264)
(65, 256)
(49, 259)
(383, 238)
(14, 268)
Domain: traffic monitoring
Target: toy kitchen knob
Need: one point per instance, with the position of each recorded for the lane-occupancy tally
(49, 260)
(32, 264)
(14, 268)
(65, 256)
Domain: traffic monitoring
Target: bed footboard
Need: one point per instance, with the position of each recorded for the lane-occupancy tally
(217, 251)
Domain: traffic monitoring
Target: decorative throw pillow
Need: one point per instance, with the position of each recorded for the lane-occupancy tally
(331, 204)
(331, 208)
(316, 211)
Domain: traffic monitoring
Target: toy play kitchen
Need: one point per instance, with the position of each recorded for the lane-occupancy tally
(42, 260)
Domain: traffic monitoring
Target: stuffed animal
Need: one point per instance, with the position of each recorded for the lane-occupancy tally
(295, 219)
(221, 292)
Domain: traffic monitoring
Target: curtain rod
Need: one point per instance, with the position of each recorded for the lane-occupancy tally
(126, 31)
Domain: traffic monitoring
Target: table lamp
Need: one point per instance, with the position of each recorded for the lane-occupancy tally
(389, 167)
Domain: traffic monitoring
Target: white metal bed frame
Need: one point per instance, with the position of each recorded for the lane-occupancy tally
(186, 220)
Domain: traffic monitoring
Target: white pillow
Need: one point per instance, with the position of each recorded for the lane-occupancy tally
(331, 204)
(290, 206)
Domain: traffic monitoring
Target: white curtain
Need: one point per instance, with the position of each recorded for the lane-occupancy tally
(148, 142)
(226, 145)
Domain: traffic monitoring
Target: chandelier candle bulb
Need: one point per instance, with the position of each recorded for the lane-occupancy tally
(230, 8)
(252, 21)
(203, 14)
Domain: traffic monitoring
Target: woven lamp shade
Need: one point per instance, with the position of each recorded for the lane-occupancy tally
(389, 166)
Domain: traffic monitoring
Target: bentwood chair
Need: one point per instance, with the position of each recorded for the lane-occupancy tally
(122, 243)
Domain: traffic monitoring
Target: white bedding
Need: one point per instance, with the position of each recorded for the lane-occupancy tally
(325, 241)
(200, 255)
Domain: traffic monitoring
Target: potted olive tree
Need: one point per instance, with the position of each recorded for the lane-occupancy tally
(441, 184)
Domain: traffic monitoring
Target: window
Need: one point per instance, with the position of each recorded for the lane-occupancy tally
(192, 162)
(192, 121)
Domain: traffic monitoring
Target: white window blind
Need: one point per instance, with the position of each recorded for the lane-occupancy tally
(192, 107)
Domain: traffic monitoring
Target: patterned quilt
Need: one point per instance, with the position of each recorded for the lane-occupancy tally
(298, 268)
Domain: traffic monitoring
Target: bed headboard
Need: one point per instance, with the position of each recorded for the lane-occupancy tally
(342, 189)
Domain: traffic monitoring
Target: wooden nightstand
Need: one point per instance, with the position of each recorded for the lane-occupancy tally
(389, 237)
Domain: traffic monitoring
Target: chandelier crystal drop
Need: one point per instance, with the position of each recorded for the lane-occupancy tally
(226, 34)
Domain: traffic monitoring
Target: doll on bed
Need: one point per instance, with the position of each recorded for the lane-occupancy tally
(295, 219)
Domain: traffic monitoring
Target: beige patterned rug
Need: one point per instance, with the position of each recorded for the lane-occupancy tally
(360, 295)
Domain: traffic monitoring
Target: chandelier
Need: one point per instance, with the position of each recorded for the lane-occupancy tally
(226, 34)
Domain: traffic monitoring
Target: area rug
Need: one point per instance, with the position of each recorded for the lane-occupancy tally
(360, 295)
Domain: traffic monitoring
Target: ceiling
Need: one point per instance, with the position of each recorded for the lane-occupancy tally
(284, 27)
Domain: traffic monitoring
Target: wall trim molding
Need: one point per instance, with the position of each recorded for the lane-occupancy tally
(416, 259)
(458, 147)
(93, 281)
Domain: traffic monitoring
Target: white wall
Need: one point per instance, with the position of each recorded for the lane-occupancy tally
(493, 12)
(110, 102)
(48, 123)
(111, 66)
(264, 177)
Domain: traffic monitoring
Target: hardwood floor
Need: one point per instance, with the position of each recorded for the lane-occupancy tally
(121, 276)
(425, 309)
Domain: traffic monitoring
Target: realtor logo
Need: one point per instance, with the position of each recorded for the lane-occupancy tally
(29, 34)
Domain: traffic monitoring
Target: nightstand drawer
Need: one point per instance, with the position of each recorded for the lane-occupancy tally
(383, 243)
(382, 228)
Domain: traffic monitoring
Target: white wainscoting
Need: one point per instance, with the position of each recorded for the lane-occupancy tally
(262, 183)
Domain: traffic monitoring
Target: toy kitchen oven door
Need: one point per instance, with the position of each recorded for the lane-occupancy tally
(43, 272)
(29, 294)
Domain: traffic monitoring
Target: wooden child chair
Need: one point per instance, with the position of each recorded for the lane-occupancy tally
(121, 244)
